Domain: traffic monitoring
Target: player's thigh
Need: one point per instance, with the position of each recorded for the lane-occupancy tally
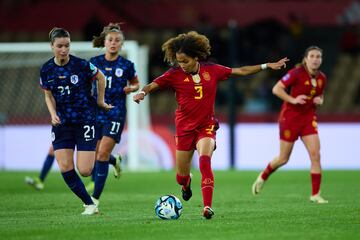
(105, 148)
(65, 159)
(205, 146)
(312, 143)
(85, 162)
(183, 161)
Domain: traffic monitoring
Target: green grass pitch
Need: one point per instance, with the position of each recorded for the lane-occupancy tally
(282, 211)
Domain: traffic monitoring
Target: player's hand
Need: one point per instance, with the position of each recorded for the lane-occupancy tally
(279, 64)
(301, 99)
(105, 106)
(139, 97)
(55, 120)
(318, 100)
(129, 89)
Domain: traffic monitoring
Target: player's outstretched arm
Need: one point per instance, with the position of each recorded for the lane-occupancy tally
(144, 91)
(247, 70)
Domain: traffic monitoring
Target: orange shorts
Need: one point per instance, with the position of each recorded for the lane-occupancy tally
(188, 142)
(291, 130)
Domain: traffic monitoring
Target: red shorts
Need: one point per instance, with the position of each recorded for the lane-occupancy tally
(290, 130)
(188, 142)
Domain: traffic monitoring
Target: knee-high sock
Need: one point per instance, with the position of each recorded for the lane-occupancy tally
(267, 172)
(315, 182)
(101, 172)
(74, 182)
(46, 167)
(183, 180)
(207, 179)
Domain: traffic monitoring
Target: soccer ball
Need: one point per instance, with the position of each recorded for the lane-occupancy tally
(168, 207)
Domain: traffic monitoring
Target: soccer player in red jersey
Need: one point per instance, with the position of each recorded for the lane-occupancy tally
(194, 82)
(298, 118)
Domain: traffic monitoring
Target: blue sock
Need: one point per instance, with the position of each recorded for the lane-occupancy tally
(101, 169)
(93, 173)
(112, 160)
(46, 167)
(77, 186)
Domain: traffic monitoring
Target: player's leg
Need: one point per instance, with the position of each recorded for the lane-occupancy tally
(205, 147)
(183, 176)
(312, 144)
(65, 161)
(284, 156)
(38, 183)
(102, 164)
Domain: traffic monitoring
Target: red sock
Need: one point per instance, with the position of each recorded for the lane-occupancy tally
(267, 172)
(207, 179)
(315, 182)
(183, 180)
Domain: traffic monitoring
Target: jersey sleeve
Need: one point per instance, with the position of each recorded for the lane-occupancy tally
(289, 78)
(43, 81)
(222, 72)
(132, 71)
(164, 80)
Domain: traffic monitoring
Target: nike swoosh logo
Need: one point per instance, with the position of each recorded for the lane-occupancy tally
(88, 139)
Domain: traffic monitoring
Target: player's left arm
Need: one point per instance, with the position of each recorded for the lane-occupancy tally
(247, 70)
(133, 85)
(100, 77)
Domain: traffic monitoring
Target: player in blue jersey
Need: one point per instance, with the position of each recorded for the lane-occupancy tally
(121, 79)
(67, 83)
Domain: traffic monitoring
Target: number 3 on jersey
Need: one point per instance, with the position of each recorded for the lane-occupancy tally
(199, 92)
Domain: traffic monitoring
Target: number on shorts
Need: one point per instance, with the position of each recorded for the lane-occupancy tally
(89, 132)
(115, 127)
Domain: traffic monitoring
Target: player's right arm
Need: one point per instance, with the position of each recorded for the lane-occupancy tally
(51, 105)
(144, 91)
(280, 91)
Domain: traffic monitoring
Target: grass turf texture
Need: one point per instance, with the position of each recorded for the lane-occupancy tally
(282, 211)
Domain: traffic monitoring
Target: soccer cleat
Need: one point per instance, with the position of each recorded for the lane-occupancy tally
(95, 201)
(90, 187)
(35, 182)
(90, 209)
(318, 199)
(187, 193)
(258, 185)
(208, 212)
(117, 167)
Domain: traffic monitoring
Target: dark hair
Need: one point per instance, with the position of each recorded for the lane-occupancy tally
(58, 33)
(99, 41)
(192, 44)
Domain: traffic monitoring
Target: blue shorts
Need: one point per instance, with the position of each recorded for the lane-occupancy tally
(67, 136)
(110, 129)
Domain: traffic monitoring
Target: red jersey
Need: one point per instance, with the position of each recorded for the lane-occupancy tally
(301, 82)
(195, 94)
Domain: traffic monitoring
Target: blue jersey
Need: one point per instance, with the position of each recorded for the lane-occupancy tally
(117, 73)
(71, 87)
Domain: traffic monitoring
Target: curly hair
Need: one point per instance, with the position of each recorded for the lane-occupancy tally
(58, 33)
(192, 44)
(99, 41)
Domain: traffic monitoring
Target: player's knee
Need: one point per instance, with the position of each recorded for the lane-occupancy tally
(283, 160)
(85, 172)
(314, 156)
(102, 155)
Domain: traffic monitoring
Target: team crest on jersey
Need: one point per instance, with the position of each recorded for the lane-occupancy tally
(196, 78)
(313, 82)
(206, 76)
(286, 77)
(119, 72)
(74, 79)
